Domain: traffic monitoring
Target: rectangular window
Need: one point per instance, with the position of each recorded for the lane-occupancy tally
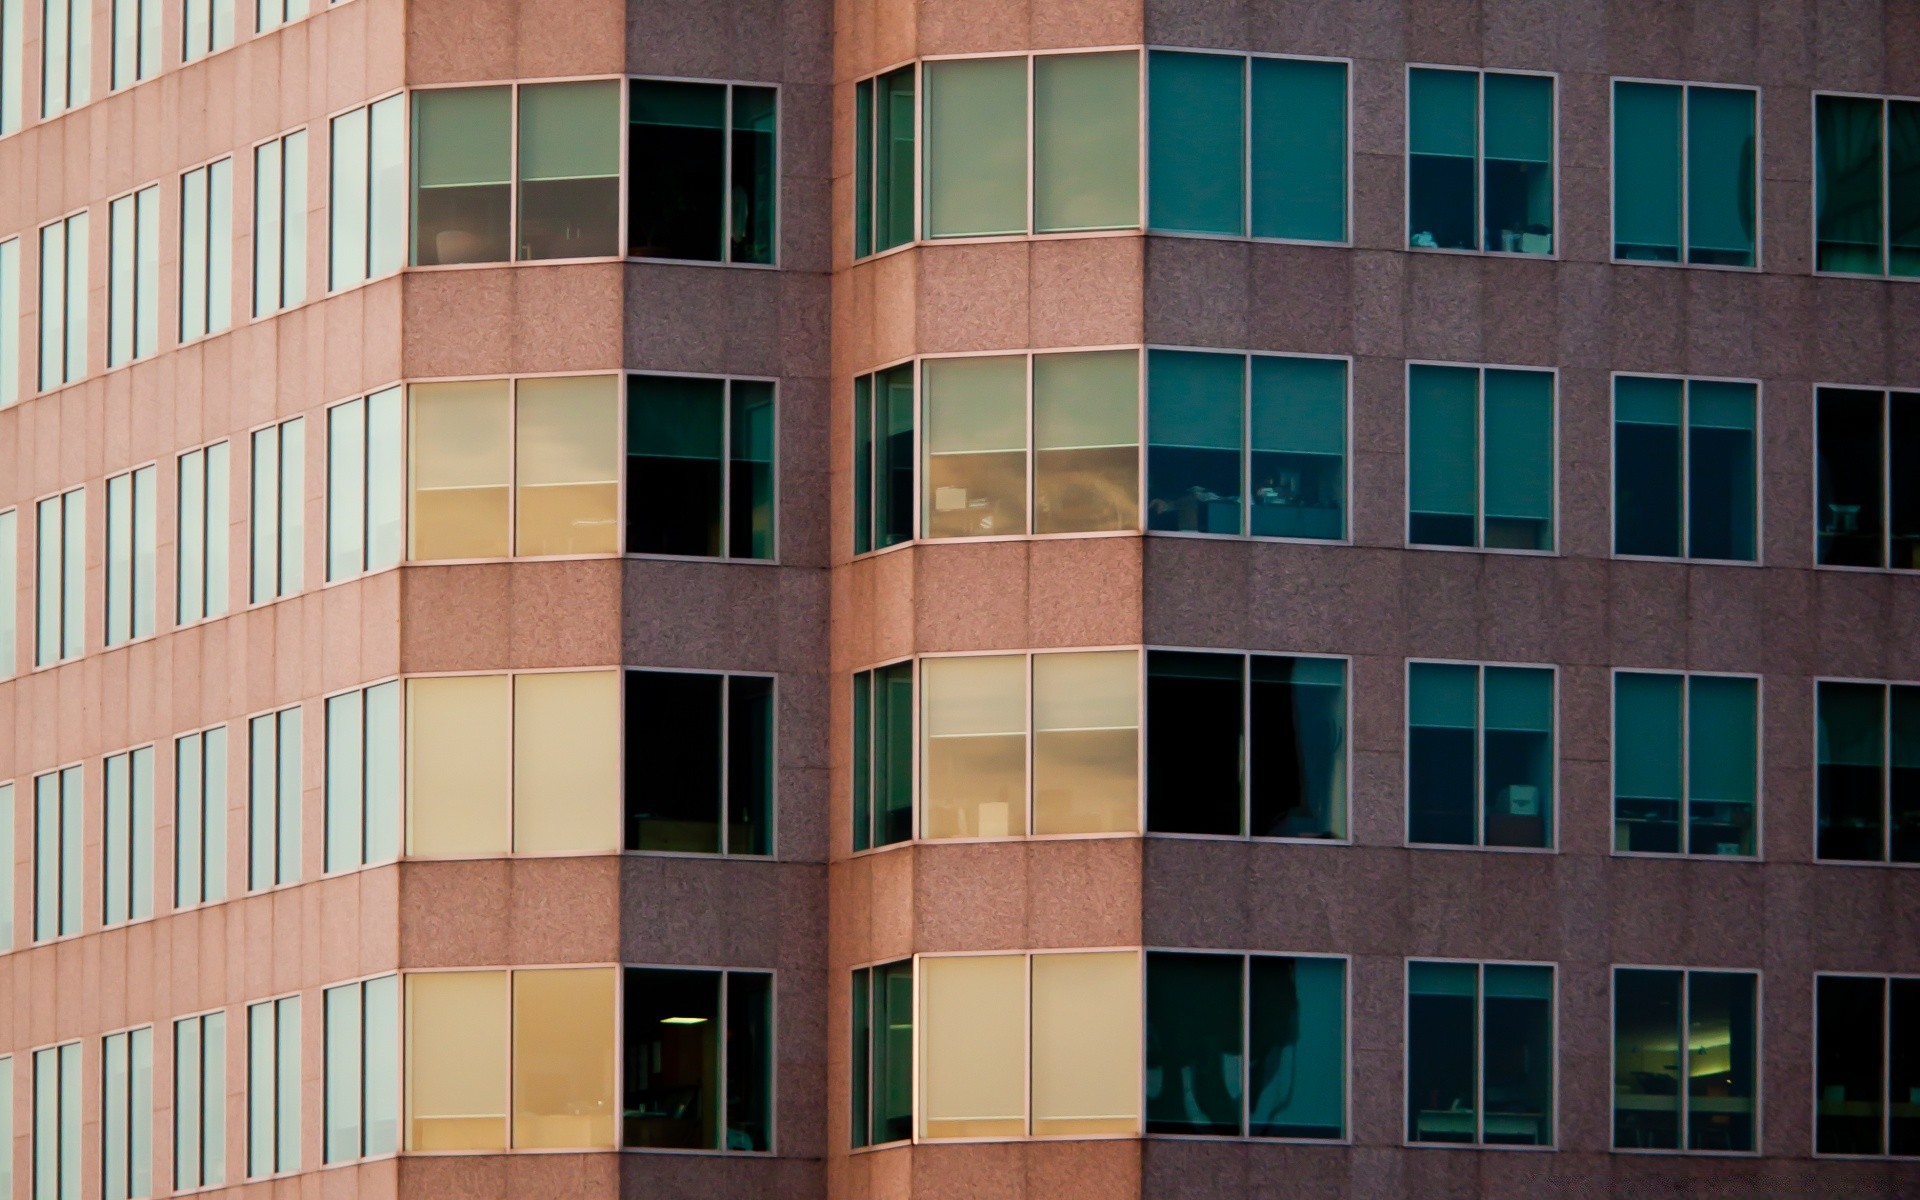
(1686, 764)
(884, 454)
(1867, 466)
(1480, 165)
(700, 466)
(1215, 421)
(126, 1114)
(279, 510)
(128, 833)
(1480, 1049)
(523, 468)
(131, 553)
(1685, 466)
(1017, 145)
(693, 1039)
(1043, 1045)
(883, 756)
(208, 26)
(884, 164)
(365, 480)
(66, 56)
(59, 841)
(273, 1087)
(136, 41)
(206, 249)
(280, 223)
(1685, 173)
(1246, 745)
(1867, 185)
(1480, 755)
(1706, 1099)
(1868, 772)
(883, 1054)
(699, 762)
(463, 175)
(1240, 144)
(63, 300)
(8, 815)
(273, 799)
(362, 1088)
(367, 193)
(1481, 457)
(60, 568)
(705, 181)
(56, 1122)
(1866, 1065)
(133, 276)
(1246, 1046)
(9, 592)
(199, 1102)
(9, 318)
(200, 547)
(270, 14)
(363, 777)
(200, 818)
(13, 40)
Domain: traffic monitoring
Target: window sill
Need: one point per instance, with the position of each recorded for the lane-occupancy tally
(1759, 267)
(1866, 862)
(1819, 274)
(1543, 850)
(1650, 1152)
(1501, 1147)
(1689, 562)
(1662, 855)
(1455, 252)
(1257, 538)
(1844, 569)
(1345, 1142)
(1255, 239)
(1481, 550)
(638, 556)
(1258, 840)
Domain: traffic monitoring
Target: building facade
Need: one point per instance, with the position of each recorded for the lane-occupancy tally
(968, 599)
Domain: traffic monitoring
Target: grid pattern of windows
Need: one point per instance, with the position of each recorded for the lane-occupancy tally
(367, 193)
(59, 842)
(1480, 755)
(1685, 468)
(1685, 173)
(63, 300)
(1480, 1053)
(128, 818)
(700, 466)
(270, 14)
(1481, 457)
(200, 818)
(1685, 1060)
(1866, 175)
(1686, 764)
(362, 1092)
(273, 1087)
(1867, 478)
(60, 569)
(132, 551)
(280, 223)
(56, 1122)
(126, 1114)
(136, 41)
(207, 27)
(203, 534)
(1480, 161)
(133, 278)
(1866, 1065)
(273, 799)
(365, 505)
(206, 248)
(199, 1102)
(363, 777)
(279, 510)
(1867, 765)
(66, 55)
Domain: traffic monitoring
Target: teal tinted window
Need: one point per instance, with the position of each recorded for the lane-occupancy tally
(1684, 174)
(1903, 187)
(1867, 775)
(1685, 468)
(883, 1054)
(1196, 422)
(1480, 755)
(1443, 455)
(1299, 149)
(1685, 767)
(703, 171)
(1480, 166)
(698, 1060)
(700, 469)
(1480, 1054)
(1648, 184)
(1721, 164)
(1867, 478)
(1298, 448)
(1867, 185)
(883, 756)
(1481, 455)
(883, 162)
(1196, 138)
(883, 496)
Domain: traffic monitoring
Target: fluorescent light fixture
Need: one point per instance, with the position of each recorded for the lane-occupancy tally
(683, 1020)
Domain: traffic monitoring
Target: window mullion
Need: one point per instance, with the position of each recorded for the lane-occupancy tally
(1686, 765)
(720, 1084)
(726, 741)
(1246, 1044)
(1480, 756)
(1684, 1056)
(1032, 501)
(726, 456)
(1479, 160)
(1246, 744)
(726, 191)
(1480, 1053)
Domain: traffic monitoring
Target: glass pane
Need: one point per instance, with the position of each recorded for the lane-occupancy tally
(1849, 1065)
(863, 147)
(1646, 1070)
(893, 753)
(1442, 754)
(286, 1095)
(1194, 1044)
(1086, 742)
(1297, 1070)
(113, 1117)
(460, 444)
(385, 479)
(676, 437)
(1903, 783)
(893, 148)
(1519, 163)
(1518, 1056)
(1442, 1052)
(976, 446)
(1443, 455)
(286, 786)
(1086, 434)
(1849, 462)
(1903, 187)
(347, 212)
(343, 1134)
(268, 206)
(1519, 450)
(894, 496)
(1299, 447)
(892, 1097)
(1086, 1035)
(1903, 1065)
(1848, 162)
(194, 253)
(750, 763)
(749, 1061)
(570, 170)
(566, 762)
(976, 157)
(1646, 171)
(678, 162)
(1196, 717)
(1647, 726)
(261, 1066)
(1518, 756)
(346, 489)
(346, 778)
(457, 765)
(974, 757)
(1903, 480)
(457, 1060)
(1299, 149)
(1442, 143)
(750, 471)
(669, 1088)
(1721, 1066)
(462, 175)
(387, 187)
(973, 1073)
(673, 766)
(381, 1020)
(1196, 114)
(1086, 141)
(1851, 771)
(1720, 176)
(1722, 764)
(563, 1027)
(754, 185)
(567, 465)
(1196, 422)
(1298, 744)
(1647, 466)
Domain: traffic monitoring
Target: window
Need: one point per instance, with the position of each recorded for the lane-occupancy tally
(63, 300)
(56, 1122)
(280, 223)
(1017, 145)
(1080, 413)
(362, 1090)
(363, 777)
(206, 249)
(209, 27)
(270, 14)
(59, 840)
(883, 756)
(1240, 144)
(126, 1114)
(1082, 710)
(1866, 187)
(199, 1102)
(131, 551)
(884, 120)
(699, 762)
(1201, 408)
(279, 520)
(1867, 463)
(128, 832)
(66, 55)
(524, 467)
(1868, 772)
(1480, 755)
(1241, 745)
(9, 592)
(1016, 1045)
(883, 1054)
(700, 474)
(1686, 764)
(364, 482)
(884, 453)
(1685, 173)
(367, 193)
(1480, 167)
(693, 1038)
(13, 38)
(1866, 1065)
(201, 545)
(200, 818)
(273, 799)
(136, 41)
(1480, 1053)
(1246, 1045)
(7, 852)
(1705, 1099)
(273, 1087)
(704, 173)
(1685, 462)
(60, 567)
(1480, 457)
(133, 278)
(501, 764)
(9, 318)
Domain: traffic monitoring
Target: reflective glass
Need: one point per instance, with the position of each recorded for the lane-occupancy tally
(1196, 717)
(749, 1081)
(1195, 1044)
(750, 755)
(1850, 771)
(976, 155)
(567, 465)
(1086, 435)
(1849, 470)
(1086, 141)
(1648, 728)
(1722, 1083)
(674, 761)
(1722, 764)
(569, 145)
(1517, 756)
(1443, 468)
(1299, 149)
(1086, 742)
(1442, 753)
(1848, 180)
(676, 451)
(1721, 190)
(1518, 165)
(1517, 1056)
(751, 431)
(883, 1054)
(976, 446)
(1196, 423)
(883, 756)
(1903, 192)
(1647, 186)
(1297, 770)
(974, 746)
(1850, 1065)
(462, 175)
(1443, 1052)
(1196, 114)
(677, 151)
(1299, 446)
(669, 1096)
(1442, 147)
(1518, 454)
(1297, 1041)
(754, 186)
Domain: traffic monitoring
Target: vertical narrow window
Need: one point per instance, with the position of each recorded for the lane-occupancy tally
(136, 41)
(883, 756)
(66, 56)
(13, 39)
(884, 162)
(131, 553)
(63, 301)
(1685, 468)
(1867, 456)
(569, 145)
(1480, 164)
(363, 777)
(456, 1070)
(208, 27)
(273, 799)
(1866, 200)
(566, 468)
(676, 454)
(367, 193)
(1086, 1012)
(58, 845)
(975, 475)
(273, 1087)
(8, 849)
(1298, 151)
(59, 575)
(126, 1114)
(270, 14)
(280, 223)
(976, 146)
(1685, 177)
(200, 818)
(362, 1063)
(1481, 458)
(462, 175)
(1086, 438)
(563, 1059)
(199, 1102)
(973, 751)
(7, 1123)
(460, 440)
(133, 276)
(1478, 1036)
(206, 250)
(279, 509)
(56, 1122)
(1480, 755)
(9, 313)
(883, 1054)
(1868, 772)
(202, 535)
(884, 453)
(1298, 447)
(699, 762)
(703, 170)
(9, 592)
(1685, 1062)
(128, 833)
(365, 482)
(459, 770)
